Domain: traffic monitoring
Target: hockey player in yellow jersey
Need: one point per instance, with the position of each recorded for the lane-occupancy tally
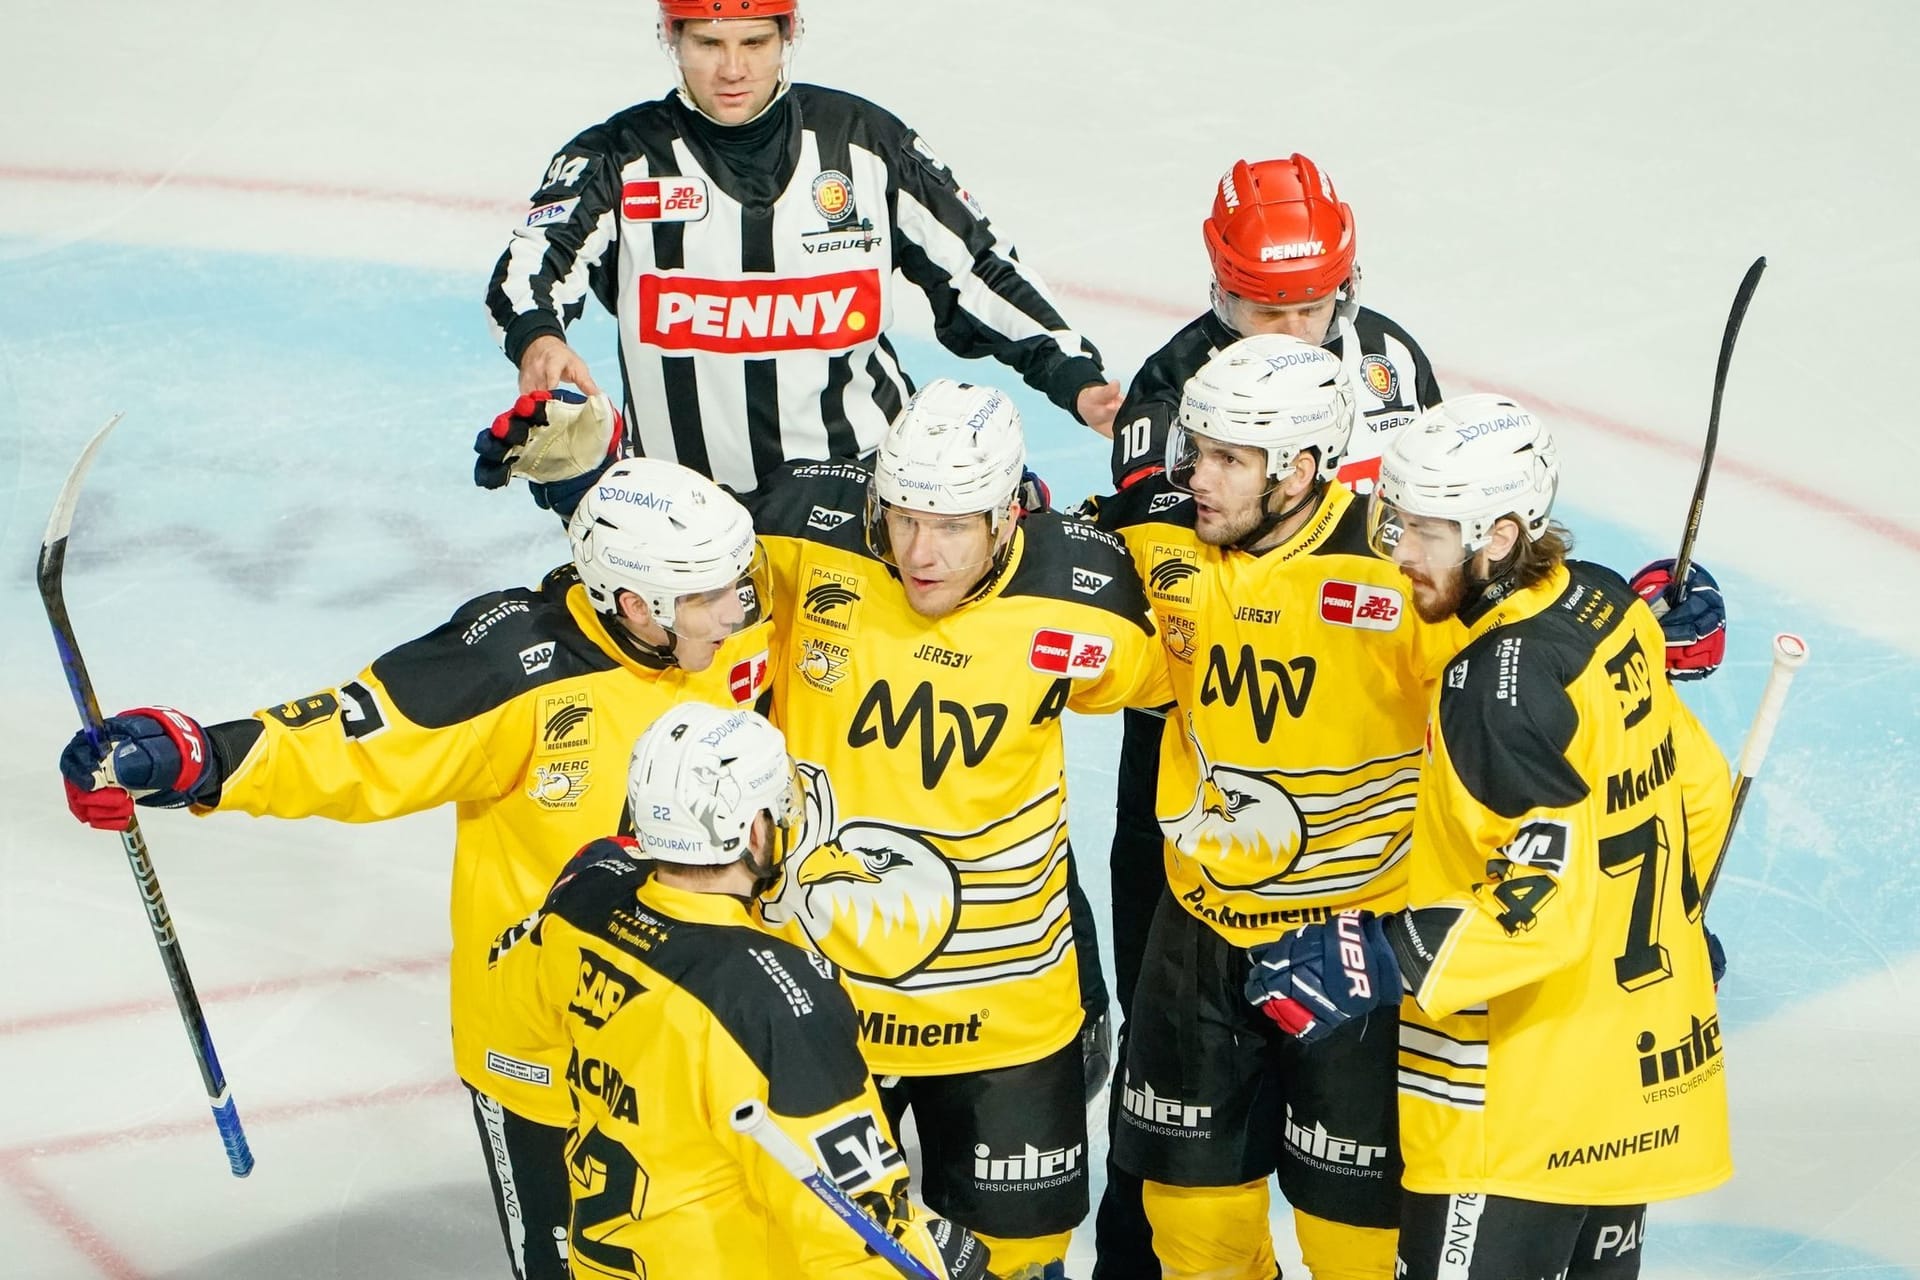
(1288, 769)
(673, 1011)
(929, 634)
(1560, 1050)
(520, 711)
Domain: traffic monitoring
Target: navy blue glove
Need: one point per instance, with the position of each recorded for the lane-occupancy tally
(1716, 955)
(597, 864)
(1034, 493)
(153, 756)
(1322, 976)
(1696, 628)
(1096, 1054)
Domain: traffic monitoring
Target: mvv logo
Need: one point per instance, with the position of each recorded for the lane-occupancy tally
(941, 731)
(1264, 682)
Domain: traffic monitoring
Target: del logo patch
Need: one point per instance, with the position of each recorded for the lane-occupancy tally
(1069, 653)
(1355, 604)
(664, 200)
(748, 678)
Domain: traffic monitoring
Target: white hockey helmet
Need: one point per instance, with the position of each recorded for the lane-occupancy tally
(1472, 460)
(699, 777)
(663, 532)
(955, 449)
(1269, 391)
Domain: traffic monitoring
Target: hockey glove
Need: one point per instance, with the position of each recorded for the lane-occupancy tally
(1033, 491)
(598, 864)
(1322, 976)
(153, 756)
(1696, 628)
(1716, 956)
(559, 440)
(1096, 1054)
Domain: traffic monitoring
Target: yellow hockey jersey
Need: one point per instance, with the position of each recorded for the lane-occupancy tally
(933, 758)
(521, 711)
(1561, 1042)
(1302, 676)
(669, 1009)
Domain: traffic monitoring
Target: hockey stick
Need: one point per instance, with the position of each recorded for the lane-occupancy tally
(1676, 592)
(1789, 655)
(751, 1118)
(53, 559)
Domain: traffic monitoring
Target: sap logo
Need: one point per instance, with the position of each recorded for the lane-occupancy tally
(1262, 682)
(1293, 249)
(548, 214)
(1540, 845)
(1087, 582)
(1031, 1167)
(1632, 682)
(757, 314)
(877, 721)
(1165, 501)
(1457, 675)
(536, 658)
(823, 518)
(856, 1154)
(1321, 1145)
(600, 990)
(664, 200)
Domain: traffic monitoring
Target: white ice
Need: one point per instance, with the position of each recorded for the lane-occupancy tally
(263, 230)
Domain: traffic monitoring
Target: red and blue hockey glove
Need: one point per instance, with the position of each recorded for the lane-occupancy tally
(1696, 628)
(1322, 976)
(1033, 491)
(152, 756)
(559, 440)
(1716, 956)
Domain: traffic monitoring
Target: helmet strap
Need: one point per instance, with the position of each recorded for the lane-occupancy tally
(1271, 519)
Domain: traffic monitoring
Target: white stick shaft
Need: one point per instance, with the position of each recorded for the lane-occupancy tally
(1789, 655)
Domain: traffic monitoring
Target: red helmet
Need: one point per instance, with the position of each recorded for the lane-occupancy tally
(715, 10)
(1278, 233)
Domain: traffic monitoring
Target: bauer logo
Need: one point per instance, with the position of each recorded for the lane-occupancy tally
(856, 1154)
(824, 518)
(536, 658)
(1069, 653)
(664, 200)
(1355, 604)
(832, 312)
(748, 678)
(566, 722)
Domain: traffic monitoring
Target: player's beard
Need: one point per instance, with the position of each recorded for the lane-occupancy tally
(1439, 597)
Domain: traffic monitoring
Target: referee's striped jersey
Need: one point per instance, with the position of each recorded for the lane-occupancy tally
(755, 332)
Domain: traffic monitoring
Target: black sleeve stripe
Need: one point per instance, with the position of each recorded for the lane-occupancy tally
(1507, 719)
(1070, 559)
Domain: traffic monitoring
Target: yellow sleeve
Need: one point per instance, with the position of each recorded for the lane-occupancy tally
(1707, 789)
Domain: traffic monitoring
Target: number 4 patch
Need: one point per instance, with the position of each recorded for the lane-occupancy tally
(1540, 848)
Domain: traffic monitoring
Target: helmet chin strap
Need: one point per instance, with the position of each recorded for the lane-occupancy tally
(1271, 520)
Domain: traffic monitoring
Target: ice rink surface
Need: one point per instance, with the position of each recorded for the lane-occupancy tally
(263, 231)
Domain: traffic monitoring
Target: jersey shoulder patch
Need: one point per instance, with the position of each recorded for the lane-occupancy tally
(493, 648)
(819, 501)
(1068, 558)
(781, 1004)
(1349, 534)
(1507, 717)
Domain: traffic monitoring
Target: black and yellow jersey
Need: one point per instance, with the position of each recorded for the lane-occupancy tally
(933, 757)
(1302, 676)
(521, 711)
(1561, 1042)
(669, 1009)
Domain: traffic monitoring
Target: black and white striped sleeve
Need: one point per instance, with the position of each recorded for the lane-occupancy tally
(562, 249)
(985, 302)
